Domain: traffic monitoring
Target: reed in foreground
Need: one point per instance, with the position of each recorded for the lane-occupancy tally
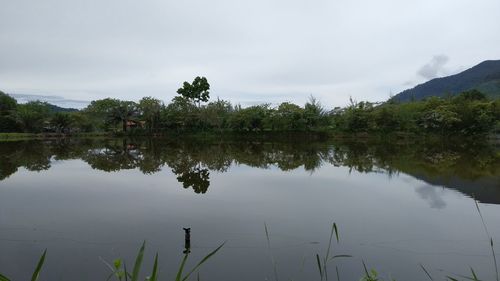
(36, 272)
(120, 272)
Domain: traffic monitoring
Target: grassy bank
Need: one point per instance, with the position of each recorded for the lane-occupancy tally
(405, 137)
(17, 136)
(30, 136)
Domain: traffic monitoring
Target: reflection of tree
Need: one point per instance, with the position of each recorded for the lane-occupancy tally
(32, 155)
(440, 162)
(150, 158)
(6, 168)
(197, 178)
(356, 157)
(185, 161)
(114, 156)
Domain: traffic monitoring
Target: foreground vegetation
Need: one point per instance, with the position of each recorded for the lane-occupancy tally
(119, 268)
(469, 113)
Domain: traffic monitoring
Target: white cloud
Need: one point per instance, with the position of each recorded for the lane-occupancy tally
(434, 68)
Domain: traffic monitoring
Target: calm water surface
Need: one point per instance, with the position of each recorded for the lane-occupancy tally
(397, 205)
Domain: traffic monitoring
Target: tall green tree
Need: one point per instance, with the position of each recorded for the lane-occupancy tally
(441, 119)
(358, 116)
(149, 110)
(197, 92)
(180, 114)
(61, 121)
(386, 119)
(82, 122)
(476, 112)
(100, 112)
(314, 114)
(289, 117)
(32, 115)
(124, 112)
(216, 114)
(8, 106)
(253, 118)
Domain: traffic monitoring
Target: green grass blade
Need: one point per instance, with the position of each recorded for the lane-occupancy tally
(336, 231)
(474, 274)
(273, 261)
(138, 263)
(38, 268)
(325, 270)
(319, 266)
(203, 261)
(426, 272)
(340, 256)
(338, 275)
(330, 241)
(3, 278)
(107, 264)
(494, 258)
(451, 278)
(110, 276)
(267, 236)
(491, 240)
(113, 270)
(125, 271)
(366, 269)
(178, 277)
(333, 230)
(154, 274)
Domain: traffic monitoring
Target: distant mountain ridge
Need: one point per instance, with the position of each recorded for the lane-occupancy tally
(50, 106)
(55, 108)
(55, 100)
(484, 77)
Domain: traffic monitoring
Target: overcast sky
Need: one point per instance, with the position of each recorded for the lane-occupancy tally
(251, 51)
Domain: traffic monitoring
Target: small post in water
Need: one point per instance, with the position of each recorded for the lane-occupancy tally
(187, 240)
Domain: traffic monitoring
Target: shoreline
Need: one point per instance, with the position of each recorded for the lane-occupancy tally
(306, 135)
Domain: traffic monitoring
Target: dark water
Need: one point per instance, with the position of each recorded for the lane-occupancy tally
(396, 204)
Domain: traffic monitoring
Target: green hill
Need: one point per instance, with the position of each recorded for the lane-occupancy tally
(484, 77)
(55, 108)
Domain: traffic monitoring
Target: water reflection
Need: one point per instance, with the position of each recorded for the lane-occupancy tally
(432, 195)
(472, 168)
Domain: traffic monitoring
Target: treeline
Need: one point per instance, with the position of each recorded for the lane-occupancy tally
(192, 111)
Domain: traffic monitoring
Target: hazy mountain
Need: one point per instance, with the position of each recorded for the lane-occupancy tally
(55, 108)
(52, 107)
(55, 100)
(484, 77)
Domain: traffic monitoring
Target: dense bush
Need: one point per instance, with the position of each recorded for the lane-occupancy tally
(469, 113)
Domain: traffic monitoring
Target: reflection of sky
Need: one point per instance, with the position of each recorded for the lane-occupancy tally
(432, 195)
(392, 223)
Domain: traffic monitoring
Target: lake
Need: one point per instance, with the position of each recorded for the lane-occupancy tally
(396, 204)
